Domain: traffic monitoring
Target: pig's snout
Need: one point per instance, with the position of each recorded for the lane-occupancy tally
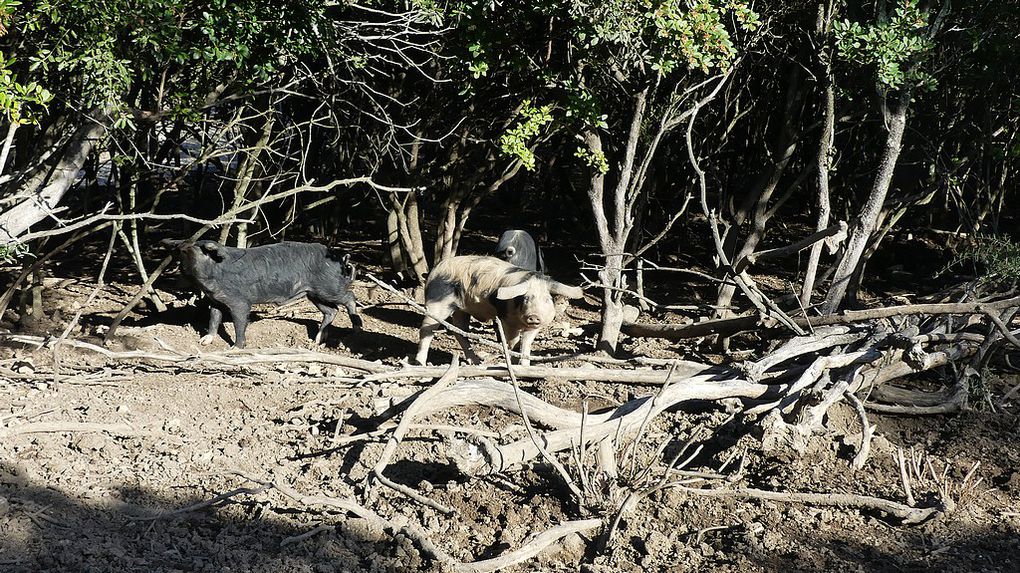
(532, 320)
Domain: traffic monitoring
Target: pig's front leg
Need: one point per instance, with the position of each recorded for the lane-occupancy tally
(215, 319)
(527, 337)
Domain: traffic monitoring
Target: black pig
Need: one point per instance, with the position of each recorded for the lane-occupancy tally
(235, 279)
(520, 250)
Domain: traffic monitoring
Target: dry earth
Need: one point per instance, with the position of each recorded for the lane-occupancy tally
(81, 501)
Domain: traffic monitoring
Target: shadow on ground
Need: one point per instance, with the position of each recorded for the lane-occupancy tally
(43, 530)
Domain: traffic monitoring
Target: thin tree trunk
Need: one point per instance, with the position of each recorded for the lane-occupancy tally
(393, 244)
(245, 174)
(822, 159)
(613, 236)
(46, 190)
(787, 146)
(406, 213)
(865, 224)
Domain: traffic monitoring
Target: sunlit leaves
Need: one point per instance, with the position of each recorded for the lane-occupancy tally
(100, 53)
(517, 140)
(20, 102)
(594, 159)
(892, 45)
(664, 36)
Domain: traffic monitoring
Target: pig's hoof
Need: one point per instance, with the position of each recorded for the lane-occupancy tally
(206, 340)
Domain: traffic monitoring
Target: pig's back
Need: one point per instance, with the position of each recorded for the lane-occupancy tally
(284, 271)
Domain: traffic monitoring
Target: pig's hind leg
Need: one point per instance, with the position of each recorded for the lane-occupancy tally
(352, 312)
(328, 314)
(434, 312)
(239, 313)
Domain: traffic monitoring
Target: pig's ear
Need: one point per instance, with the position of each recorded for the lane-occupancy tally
(213, 250)
(565, 290)
(511, 292)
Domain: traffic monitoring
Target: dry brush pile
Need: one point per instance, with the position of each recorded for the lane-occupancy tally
(911, 359)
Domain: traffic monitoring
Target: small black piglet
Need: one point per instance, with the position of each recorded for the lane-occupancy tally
(235, 279)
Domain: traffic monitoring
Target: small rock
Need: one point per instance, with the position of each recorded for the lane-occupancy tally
(5, 506)
(123, 409)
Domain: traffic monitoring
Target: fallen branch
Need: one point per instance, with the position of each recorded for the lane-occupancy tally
(905, 514)
(649, 376)
(203, 504)
(730, 326)
(379, 372)
(838, 231)
(867, 431)
(801, 345)
(306, 535)
(617, 424)
(229, 357)
(531, 548)
(120, 429)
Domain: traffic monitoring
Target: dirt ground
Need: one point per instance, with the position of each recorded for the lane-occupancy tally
(83, 501)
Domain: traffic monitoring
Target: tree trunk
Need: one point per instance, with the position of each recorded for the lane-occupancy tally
(246, 172)
(47, 189)
(787, 145)
(409, 232)
(824, 150)
(865, 224)
(393, 245)
(613, 233)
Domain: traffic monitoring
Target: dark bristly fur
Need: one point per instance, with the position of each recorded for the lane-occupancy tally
(235, 279)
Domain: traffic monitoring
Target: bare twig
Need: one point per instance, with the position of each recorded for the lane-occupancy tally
(867, 431)
(527, 422)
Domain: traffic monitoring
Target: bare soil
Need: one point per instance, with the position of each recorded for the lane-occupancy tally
(78, 500)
